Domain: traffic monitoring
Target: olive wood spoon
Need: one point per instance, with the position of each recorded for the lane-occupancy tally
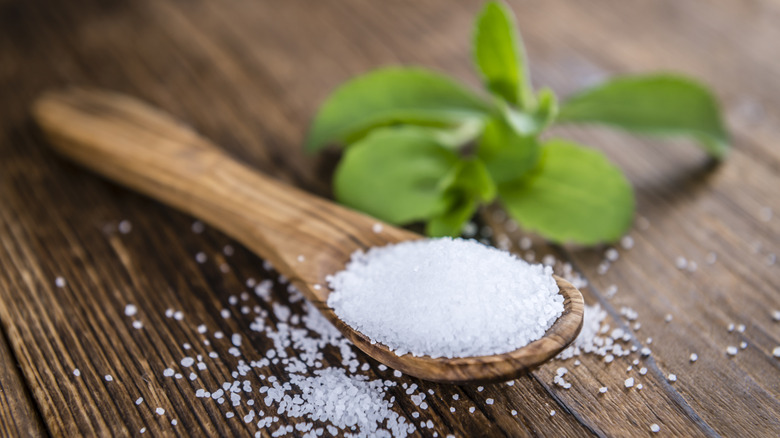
(305, 237)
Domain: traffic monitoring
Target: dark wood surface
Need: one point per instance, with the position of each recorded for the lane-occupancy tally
(249, 75)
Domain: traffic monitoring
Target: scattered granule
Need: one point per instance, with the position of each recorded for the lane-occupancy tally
(139, 401)
(201, 257)
(655, 428)
(627, 242)
(472, 409)
(143, 430)
(178, 315)
(672, 377)
(694, 357)
(629, 382)
(452, 409)
(731, 350)
(125, 226)
(514, 413)
(236, 339)
(174, 422)
(730, 327)
(198, 227)
(168, 372)
(743, 345)
(642, 371)
(681, 263)
(639, 386)
(552, 413)
(130, 310)
(228, 250)
(480, 388)
(419, 297)
(603, 390)
(225, 313)
(668, 317)
(160, 411)
(109, 378)
(187, 362)
(301, 258)
(60, 282)
(741, 328)
(612, 255)
(489, 401)
(776, 352)
(377, 227)
(76, 372)
(138, 325)
(455, 396)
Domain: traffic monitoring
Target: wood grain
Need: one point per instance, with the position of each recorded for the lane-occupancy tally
(250, 75)
(18, 415)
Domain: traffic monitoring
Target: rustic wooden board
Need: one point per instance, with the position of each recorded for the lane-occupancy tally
(248, 75)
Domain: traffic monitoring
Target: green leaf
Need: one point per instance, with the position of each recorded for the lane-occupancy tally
(392, 96)
(451, 222)
(471, 177)
(506, 154)
(574, 194)
(663, 105)
(396, 174)
(499, 55)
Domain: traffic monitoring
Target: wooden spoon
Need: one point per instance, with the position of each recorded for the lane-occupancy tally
(303, 236)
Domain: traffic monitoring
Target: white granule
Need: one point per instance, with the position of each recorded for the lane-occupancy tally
(654, 428)
(143, 430)
(627, 242)
(377, 228)
(187, 362)
(59, 282)
(174, 422)
(198, 227)
(776, 315)
(731, 350)
(200, 257)
(109, 378)
(489, 401)
(225, 313)
(603, 390)
(125, 227)
(236, 339)
(168, 372)
(446, 298)
(138, 325)
(455, 396)
(611, 254)
(681, 263)
(228, 250)
(514, 413)
(76, 372)
(139, 401)
(629, 382)
(344, 401)
(178, 315)
(668, 317)
(694, 357)
(643, 371)
(741, 328)
(672, 377)
(776, 352)
(160, 411)
(130, 310)
(552, 413)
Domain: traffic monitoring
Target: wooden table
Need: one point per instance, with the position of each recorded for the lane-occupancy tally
(249, 75)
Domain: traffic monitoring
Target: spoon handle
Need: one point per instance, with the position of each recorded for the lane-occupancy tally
(125, 140)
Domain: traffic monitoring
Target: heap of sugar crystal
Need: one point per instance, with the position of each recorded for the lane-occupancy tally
(445, 298)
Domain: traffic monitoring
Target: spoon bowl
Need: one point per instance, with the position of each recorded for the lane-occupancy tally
(305, 237)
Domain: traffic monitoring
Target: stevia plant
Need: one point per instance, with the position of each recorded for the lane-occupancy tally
(421, 147)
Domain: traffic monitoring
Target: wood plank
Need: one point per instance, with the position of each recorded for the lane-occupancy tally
(18, 415)
(250, 77)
